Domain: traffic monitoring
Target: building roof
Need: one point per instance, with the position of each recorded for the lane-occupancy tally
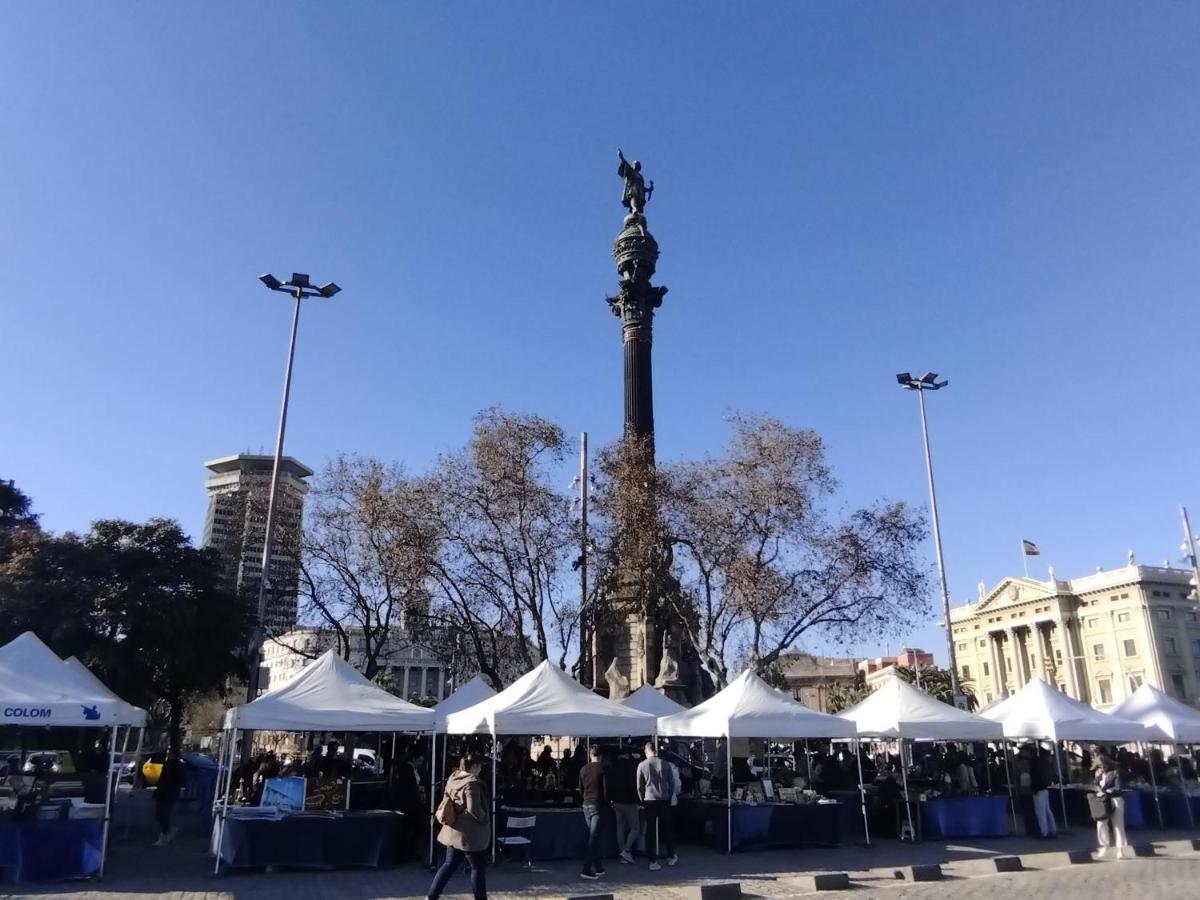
(224, 465)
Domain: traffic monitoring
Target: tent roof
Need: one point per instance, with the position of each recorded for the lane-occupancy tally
(650, 699)
(129, 714)
(1152, 707)
(468, 695)
(548, 701)
(899, 710)
(329, 694)
(1039, 711)
(39, 688)
(749, 707)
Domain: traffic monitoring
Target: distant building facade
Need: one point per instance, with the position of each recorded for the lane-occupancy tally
(810, 678)
(877, 671)
(407, 669)
(238, 489)
(1096, 638)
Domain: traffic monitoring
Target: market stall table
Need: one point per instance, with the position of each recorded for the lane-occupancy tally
(1175, 808)
(962, 817)
(758, 826)
(558, 833)
(50, 849)
(312, 840)
(1074, 800)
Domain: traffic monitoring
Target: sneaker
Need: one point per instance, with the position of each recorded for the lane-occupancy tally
(590, 876)
(672, 859)
(654, 867)
(161, 842)
(170, 835)
(626, 856)
(600, 872)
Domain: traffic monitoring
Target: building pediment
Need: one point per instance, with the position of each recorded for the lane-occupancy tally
(1013, 593)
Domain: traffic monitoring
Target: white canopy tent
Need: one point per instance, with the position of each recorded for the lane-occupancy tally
(40, 689)
(900, 711)
(328, 694)
(749, 707)
(548, 701)
(474, 691)
(1039, 712)
(1150, 706)
(650, 699)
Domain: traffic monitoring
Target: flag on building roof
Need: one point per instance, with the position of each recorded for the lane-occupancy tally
(1031, 549)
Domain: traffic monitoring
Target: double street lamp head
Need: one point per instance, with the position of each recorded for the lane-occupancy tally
(926, 382)
(298, 286)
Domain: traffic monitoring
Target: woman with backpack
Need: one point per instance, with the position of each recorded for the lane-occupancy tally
(466, 824)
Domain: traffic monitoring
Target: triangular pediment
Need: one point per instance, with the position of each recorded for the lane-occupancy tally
(1015, 592)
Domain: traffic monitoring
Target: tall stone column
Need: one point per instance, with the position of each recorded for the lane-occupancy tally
(1033, 640)
(1068, 651)
(997, 664)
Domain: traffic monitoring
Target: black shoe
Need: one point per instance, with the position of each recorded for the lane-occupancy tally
(601, 872)
(590, 876)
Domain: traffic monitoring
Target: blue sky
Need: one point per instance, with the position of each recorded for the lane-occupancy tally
(1007, 193)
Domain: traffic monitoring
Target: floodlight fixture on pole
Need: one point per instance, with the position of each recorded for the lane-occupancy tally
(299, 288)
(929, 382)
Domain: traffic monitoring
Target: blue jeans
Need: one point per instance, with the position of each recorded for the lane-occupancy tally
(476, 859)
(593, 815)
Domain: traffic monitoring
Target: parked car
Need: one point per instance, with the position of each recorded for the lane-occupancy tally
(49, 762)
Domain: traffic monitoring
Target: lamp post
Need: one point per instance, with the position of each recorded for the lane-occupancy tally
(299, 288)
(929, 382)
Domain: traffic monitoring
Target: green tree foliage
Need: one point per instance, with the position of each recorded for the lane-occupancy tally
(935, 681)
(844, 696)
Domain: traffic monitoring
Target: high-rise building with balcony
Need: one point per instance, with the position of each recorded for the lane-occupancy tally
(238, 489)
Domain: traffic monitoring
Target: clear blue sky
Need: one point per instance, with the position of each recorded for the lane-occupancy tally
(1007, 193)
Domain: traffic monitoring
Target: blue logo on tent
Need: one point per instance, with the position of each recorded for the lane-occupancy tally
(91, 713)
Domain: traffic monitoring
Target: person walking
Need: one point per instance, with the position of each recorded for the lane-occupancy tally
(655, 787)
(593, 787)
(623, 795)
(1110, 830)
(166, 792)
(466, 827)
(1040, 778)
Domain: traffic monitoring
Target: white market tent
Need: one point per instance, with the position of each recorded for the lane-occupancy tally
(899, 710)
(1040, 712)
(749, 707)
(649, 699)
(548, 701)
(474, 691)
(1150, 706)
(38, 688)
(329, 694)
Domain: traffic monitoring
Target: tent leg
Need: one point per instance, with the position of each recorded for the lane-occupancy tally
(1187, 798)
(108, 792)
(1012, 803)
(1153, 784)
(728, 798)
(1062, 785)
(862, 791)
(432, 785)
(808, 764)
(225, 801)
(907, 803)
(493, 799)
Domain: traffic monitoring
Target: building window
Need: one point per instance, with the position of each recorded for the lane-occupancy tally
(989, 698)
(1058, 655)
(1180, 686)
(1191, 616)
(1123, 617)
(962, 646)
(1105, 690)
(1113, 598)
(1093, 622)
(1163, 613)
(1135, 680)
(1196, 646)
(966, 672)
(985, 669)
(1169, 644)
(1097, 651)
(983, 642)
(1130, 648)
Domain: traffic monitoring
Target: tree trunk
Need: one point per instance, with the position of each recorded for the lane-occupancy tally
(175, 726)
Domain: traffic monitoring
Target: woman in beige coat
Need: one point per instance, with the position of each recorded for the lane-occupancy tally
(470, 835)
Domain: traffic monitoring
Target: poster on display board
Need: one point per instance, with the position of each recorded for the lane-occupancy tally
(284, 793)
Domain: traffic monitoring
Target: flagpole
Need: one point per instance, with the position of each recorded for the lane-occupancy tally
(1024, 558)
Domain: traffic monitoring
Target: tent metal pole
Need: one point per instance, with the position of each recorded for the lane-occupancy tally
(728, 797)
(862, 790)
(907, 803)
(1062, 785)
(1012, 803)
(432, 784)
(108, 792)
(493, 795)
(808, 764)
(225, 802)
(1153, 784)
(1187, 798)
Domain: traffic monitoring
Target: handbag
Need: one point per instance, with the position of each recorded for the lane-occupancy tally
(447, 811)
(1099, 806)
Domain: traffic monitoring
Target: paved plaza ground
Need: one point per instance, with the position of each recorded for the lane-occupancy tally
(184, 870)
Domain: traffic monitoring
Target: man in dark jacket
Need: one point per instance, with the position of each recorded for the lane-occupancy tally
(593, 786)
(622, 794)
(166, 792)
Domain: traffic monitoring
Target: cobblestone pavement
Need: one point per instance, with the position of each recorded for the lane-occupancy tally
(183, 871)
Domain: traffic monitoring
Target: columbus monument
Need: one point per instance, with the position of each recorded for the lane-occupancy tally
(637, 643)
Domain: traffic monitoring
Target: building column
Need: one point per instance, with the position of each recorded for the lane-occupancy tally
(441, 683)
(997, 668)
(1010, 637)
(404, 683)
(1035, 653)
(1068, 649)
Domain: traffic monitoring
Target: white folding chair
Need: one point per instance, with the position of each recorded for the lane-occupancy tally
(510, 842)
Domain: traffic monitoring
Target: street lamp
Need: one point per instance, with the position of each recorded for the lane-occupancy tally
(929, 382)
(299, 288)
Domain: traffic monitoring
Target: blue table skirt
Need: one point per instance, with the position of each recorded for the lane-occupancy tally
(961, 817)
(311, 841)
(1174, 809)
(1139, 809)
(51, 849)
(760, 826)
(559, 832)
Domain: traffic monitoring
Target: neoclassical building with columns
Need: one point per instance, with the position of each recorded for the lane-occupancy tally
(1096, 638)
